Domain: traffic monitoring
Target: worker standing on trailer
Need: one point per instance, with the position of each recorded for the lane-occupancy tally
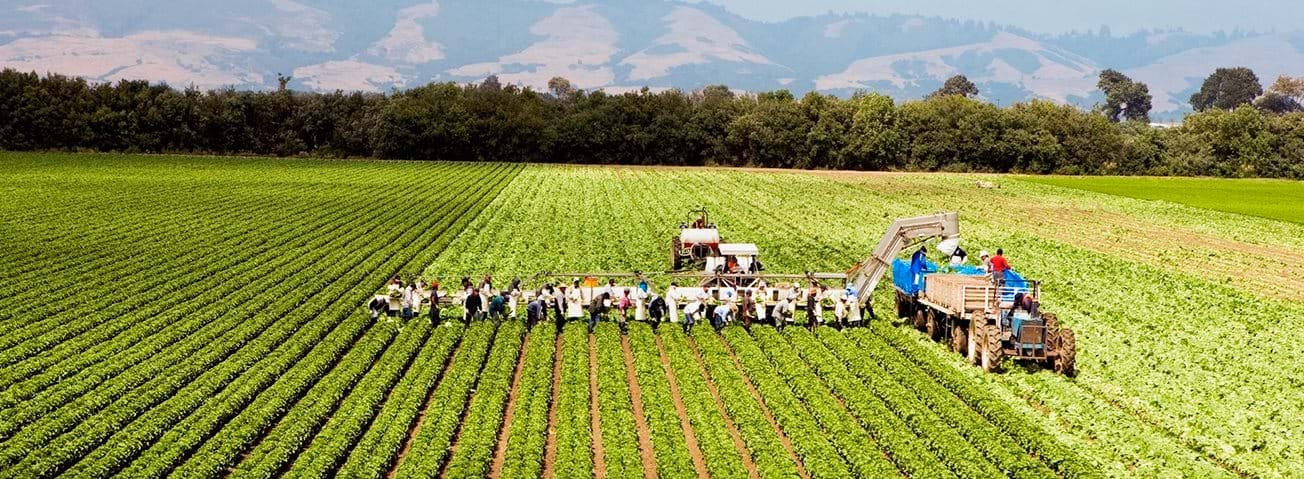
(986, 260)
(656, 310)
(999, 267)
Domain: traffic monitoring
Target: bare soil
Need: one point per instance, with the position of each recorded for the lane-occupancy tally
(769, 416)
(748, 462)
(640, 421)
(500, 451)
(694, 450)
(595, 413)
(550, 449)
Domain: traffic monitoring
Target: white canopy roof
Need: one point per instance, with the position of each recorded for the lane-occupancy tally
(739, 249)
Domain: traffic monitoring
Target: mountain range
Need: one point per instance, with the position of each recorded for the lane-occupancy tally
(614, 45)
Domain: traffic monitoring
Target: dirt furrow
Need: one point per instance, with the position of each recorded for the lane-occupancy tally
(595, 414)
(690, 438)
(550, 448)
(769, 416)
(421, 416)
(500, 450)
(640, 422)
(728, 421)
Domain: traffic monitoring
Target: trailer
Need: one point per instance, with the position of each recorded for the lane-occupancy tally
(981, 320)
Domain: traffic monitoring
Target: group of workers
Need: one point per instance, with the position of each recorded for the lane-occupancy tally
(687, 306)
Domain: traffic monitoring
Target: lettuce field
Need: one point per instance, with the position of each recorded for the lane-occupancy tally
(203, 317)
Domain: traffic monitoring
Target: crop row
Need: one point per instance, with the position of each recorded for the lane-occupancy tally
(433, 440)
(199, 391)
(722, 458)
(150, 382)
(151, 279)
(878, 365)
(761, 439)
(668, 439)
(891, 416)
(1064, 461)
(354, 375)
(330, 445)
(156, 328)
(476, 439)
(817, 452)
(574, 427)
(619, 434)
(379, 446)
(219, 413)
(527, 433)
(867, 454)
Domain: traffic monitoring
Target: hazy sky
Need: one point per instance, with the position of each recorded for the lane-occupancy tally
(1053, 16)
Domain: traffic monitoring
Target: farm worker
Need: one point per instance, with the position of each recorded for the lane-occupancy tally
(690, 315)
(813, 307)
(999, 267)
(434, 303)
(672, 302)
(487, 284)
(513, 295)
(762, 299)
(853, 306)
(918, 265)
(534, 311)
(574, 302)
(466, 282)
(407, 302)
(558, 304)
(748, 312)
(722, 315)
(610, 291)
(472, 306)
(780, 313)
(656, 310)
(417, 297)
(497, 305)
(640, 304)
(959, 256)
(394, 284)
(986, 260)
(727, 294)
(596, 308)
(626, 302)
(840, 311)
(378, 304)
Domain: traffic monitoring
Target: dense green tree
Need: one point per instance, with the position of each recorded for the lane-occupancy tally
(1125, 99)
(1226, 89)
(1239, 140)
(876, 141)
(957, 85)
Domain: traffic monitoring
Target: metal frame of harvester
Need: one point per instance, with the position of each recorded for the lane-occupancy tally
(968, 312)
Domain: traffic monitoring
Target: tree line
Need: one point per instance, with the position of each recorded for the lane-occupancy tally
(1238, 130)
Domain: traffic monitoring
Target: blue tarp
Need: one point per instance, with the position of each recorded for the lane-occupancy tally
(908, 276)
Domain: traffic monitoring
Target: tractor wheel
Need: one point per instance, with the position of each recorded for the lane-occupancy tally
(675, 261)
(933, 326)
(993, 352)
(901, 307)
(921, 319)
(959, 340)
(1066, 353)
(1052, 329)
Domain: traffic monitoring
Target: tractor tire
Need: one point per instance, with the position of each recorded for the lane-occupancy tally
(1066, 353)
(993, 352)
(933, 326)
(902, 311)
(675, 261)
(1052, 329)
(921, 319)
(959, 340)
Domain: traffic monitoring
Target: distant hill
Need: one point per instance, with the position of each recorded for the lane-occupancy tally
(616, 45)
